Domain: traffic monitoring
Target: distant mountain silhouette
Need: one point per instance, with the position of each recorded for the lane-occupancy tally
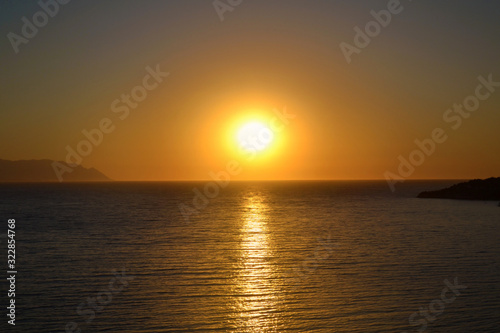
(477, 189)
(43, 171)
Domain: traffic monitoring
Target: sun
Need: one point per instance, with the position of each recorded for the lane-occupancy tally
(255, 136)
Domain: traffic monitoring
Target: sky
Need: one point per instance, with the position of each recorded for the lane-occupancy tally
(201, 69)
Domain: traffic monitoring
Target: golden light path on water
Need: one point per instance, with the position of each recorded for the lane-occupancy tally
(257, 287)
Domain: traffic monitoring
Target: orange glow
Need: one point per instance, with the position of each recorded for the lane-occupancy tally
(352, 121)
(249, 138)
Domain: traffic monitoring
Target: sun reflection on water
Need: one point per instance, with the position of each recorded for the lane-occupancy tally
(256, 284)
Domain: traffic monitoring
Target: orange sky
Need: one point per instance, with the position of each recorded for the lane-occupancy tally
(352, 121)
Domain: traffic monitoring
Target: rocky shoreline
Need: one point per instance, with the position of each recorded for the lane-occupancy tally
(477, 189)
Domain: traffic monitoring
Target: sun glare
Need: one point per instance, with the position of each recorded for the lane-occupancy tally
(255, 136)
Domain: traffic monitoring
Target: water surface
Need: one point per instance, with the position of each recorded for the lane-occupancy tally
(260, 257)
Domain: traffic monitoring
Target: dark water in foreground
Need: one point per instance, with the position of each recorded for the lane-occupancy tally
(261, 257)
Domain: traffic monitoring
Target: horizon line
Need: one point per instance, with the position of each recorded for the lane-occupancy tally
(238, 181)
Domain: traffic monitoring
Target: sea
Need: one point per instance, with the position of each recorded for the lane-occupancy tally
(289, 256)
